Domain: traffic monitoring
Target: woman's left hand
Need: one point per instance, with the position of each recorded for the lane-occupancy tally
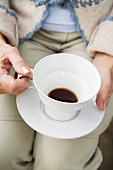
(104, 64)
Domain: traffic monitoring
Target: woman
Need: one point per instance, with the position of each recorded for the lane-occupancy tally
(31, 30)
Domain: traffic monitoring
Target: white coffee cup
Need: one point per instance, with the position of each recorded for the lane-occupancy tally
(65, 71)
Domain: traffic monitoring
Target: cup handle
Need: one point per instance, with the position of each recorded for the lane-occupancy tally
(31, 84)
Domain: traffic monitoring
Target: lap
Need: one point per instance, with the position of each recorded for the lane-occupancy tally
(49, 153)
(81, 153)
(16, 137)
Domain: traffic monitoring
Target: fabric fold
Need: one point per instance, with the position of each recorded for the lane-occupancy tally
(102, 39)
(9, 25)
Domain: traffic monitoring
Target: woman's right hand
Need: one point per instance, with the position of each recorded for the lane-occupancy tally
(10, 57)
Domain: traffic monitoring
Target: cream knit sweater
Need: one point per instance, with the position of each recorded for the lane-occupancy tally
(20, 19)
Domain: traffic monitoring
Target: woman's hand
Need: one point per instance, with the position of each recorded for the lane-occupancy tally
(104, 64)
(10, 56)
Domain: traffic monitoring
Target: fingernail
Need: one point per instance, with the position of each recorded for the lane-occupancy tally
(25, 69)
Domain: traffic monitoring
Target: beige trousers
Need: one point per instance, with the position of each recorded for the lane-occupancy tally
(21, 148)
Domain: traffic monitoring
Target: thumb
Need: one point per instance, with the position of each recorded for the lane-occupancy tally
(102, 96)
(18, 63)
(100, 101)
(105, 90)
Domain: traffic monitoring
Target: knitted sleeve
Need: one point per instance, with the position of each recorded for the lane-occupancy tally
(8, 23)
(102, 37)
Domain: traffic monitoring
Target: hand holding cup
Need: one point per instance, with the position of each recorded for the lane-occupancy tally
(10, 57)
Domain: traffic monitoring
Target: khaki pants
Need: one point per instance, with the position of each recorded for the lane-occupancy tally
(21, 148)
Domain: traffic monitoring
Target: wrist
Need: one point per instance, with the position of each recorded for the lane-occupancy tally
(103, 56)
(103, 60)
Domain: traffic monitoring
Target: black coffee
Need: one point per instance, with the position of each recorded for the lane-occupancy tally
(63, 95)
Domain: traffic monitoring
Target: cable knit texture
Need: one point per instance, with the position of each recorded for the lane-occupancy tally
(94, 20)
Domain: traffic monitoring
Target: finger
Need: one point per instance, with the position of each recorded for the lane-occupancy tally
(103, 95)
(6, 66)
(13, 86)
(21, 91)
(17, 93)
(100, 102)
(2, 91)
(5, 63)
(18, 63)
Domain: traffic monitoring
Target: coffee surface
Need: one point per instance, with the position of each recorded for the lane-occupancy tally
(63, 95)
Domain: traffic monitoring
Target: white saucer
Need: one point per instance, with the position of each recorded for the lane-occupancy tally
(31, 110)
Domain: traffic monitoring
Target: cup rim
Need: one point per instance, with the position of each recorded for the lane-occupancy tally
(68, 103)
